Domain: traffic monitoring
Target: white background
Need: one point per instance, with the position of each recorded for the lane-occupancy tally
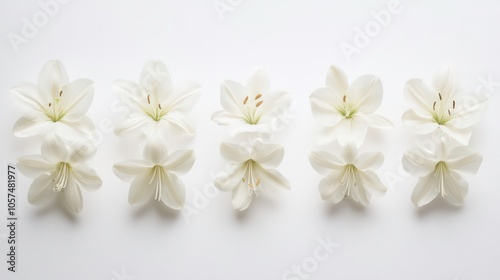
(296, 41)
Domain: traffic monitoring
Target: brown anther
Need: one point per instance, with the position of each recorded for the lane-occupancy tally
(258, 182)
(259, 103)
(149, 101)
(50, 104)
(258, 96)
(245, 101)
(449, 113)
(243, 179)
(440, 98)
(60, 93)
(344, 98)
(453, 104)
(434, 106)
(159, 106)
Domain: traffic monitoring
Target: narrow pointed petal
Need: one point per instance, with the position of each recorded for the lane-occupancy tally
(180, 122)
(87, 178)
(232, 96)
(371, 182)
(241, 198)
(82, 150)
(259, 82)
(31, 125)
(52, 78)
(323, 106)
(337, 80)
(324, 162)
(40, 192)
(73, 196)
(274, 106)
(225, 118)
(180, 162)
(128, 90)
(140, 190)
(229, 180)
(234, 153)
(418, 162)
(359, 192)
(268, 155)
(352, 130)
(173, 192)
(54, 149)
(28, 96)
(156, 80)
(155, 151)
(469, 111)
(349, 154)
(330, 189)
(272, 181)
(366, 93)
(370, 160)
(426, 190)
(186, 96)
(377, 121)
(34, 165)
(132, 124)
(461, 135)
(420, 96)
(455, 188)
(418, 124)
(75, 130)
(129, 169)
(76, 98)
(445, 81)
(464, 159)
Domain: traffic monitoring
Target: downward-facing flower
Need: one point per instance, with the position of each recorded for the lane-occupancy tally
(346, 110)
(442, 107)
(251, 108)
(54, 104)
(252, 172)
(156, 103)
(439, 172)
(348, 175)
(156, 175)
(59, 171)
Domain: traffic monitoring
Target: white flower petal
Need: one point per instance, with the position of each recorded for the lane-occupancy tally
(74, 130)
(252, 131)
(227, 181)
(135, 122)
(420, 96)
(76, 98)
(232, 96)
(327, 135)
(31, 125)
(82, 150)
(186, 96)
(461, 135)
(370, 160)
(34, 165)
(179, 162)
(352, 130)
(72, 196)
(337, 80)
(418, 162)
(323, 106)
(324, 162)
(259, 82)
(224, 118)
(129, 169)
(40, 192)
(455, 188)
(371, 182)
(445, 82)
(426, 190)
(87, 178)
(156, 80)
(51, 80)
(469, 111)
(274, 105)
(366, 93)
(180, 122)
(359, 192)
(173, 192)
(155, 151)
(27, 95)
(374, 120)
(418, 124)
(272, 181)
(464, 159)
(234, 153)
(330, 189)
(241, 197)
(268, 155)
(140, 190)
(54, 149)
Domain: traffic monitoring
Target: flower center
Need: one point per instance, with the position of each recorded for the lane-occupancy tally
(154, 109)
(440, 171)
(251, 177)
(156, 180)
(54, 110)
(347, 109)
(62, 176)
(348, 180)
(251, 110)
(442, 111)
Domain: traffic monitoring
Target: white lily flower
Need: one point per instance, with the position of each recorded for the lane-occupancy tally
(442, 107)
(251, 108)
(349, 175)
(54, 104)
(439, 172)
(346, 110)
(59, 170)
(252, 172)
(157, 104)
(156, 175)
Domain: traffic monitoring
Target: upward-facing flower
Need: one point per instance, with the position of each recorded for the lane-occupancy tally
(438, 172)
(156, 102)
(59, 170)
(156, 175)
(252, 172)
(346, 110)
(251, 108)
(442, 107)
(54, 104)
(349, 175)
